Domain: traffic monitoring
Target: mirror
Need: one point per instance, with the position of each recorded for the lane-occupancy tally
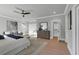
(43, 26)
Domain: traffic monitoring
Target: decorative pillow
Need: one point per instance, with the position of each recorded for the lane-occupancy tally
(1, 37)
(19, 36)
(13, 36)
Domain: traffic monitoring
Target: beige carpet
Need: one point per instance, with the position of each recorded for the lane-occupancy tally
(36, 45)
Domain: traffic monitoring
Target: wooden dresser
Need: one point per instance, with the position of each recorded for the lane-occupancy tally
(43, 34)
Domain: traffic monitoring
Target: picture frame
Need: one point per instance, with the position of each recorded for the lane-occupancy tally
(12, 26)
(43, 26)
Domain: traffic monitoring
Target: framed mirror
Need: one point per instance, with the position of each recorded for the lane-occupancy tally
(43, 26)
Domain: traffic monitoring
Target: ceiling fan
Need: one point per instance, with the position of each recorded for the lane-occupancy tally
(23, 12)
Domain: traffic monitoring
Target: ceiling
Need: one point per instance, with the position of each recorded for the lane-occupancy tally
(37, 10)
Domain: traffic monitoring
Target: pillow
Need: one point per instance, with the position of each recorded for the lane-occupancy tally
(13, 36)
(19, 36)
(8, 38)
(1, 37)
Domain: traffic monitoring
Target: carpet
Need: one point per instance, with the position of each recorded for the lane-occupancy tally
(36, 45)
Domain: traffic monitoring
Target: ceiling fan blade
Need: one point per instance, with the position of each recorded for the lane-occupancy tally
(17, 12)
(28, 11)
(19, 8)
(23, 11)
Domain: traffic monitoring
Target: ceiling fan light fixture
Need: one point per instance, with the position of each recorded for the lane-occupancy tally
(23, 12)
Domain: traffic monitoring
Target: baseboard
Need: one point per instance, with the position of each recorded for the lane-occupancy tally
(69, 50)
(53, 37)
(62, 41)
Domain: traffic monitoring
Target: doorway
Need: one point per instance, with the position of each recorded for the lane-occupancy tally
(56, 30)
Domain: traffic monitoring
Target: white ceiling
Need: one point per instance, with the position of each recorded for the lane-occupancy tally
(38, 10)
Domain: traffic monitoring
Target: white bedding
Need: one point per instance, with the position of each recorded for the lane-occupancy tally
(7, 45)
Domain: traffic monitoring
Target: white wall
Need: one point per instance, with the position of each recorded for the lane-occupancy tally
(70, 34)
(68, 31)
(2, 25)
(23, 27)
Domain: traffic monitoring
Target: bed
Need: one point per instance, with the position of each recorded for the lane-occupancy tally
(10, 46)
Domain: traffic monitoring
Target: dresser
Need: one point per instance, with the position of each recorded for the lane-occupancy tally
(43, 34)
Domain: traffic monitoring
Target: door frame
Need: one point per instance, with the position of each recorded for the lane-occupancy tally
(52, 22)
(58, 29)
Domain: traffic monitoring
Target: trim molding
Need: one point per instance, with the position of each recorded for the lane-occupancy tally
(12, 19)
(66, 9)
(6, 17)
(47, 16)
(69, 49)
(31, 18)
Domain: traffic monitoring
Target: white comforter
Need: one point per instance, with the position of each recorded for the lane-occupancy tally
(7, 45)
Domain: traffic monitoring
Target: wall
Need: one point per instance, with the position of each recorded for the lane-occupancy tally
(2, 25)
(50, 19)
(23, 27)
(12, 26)
(70, 34)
